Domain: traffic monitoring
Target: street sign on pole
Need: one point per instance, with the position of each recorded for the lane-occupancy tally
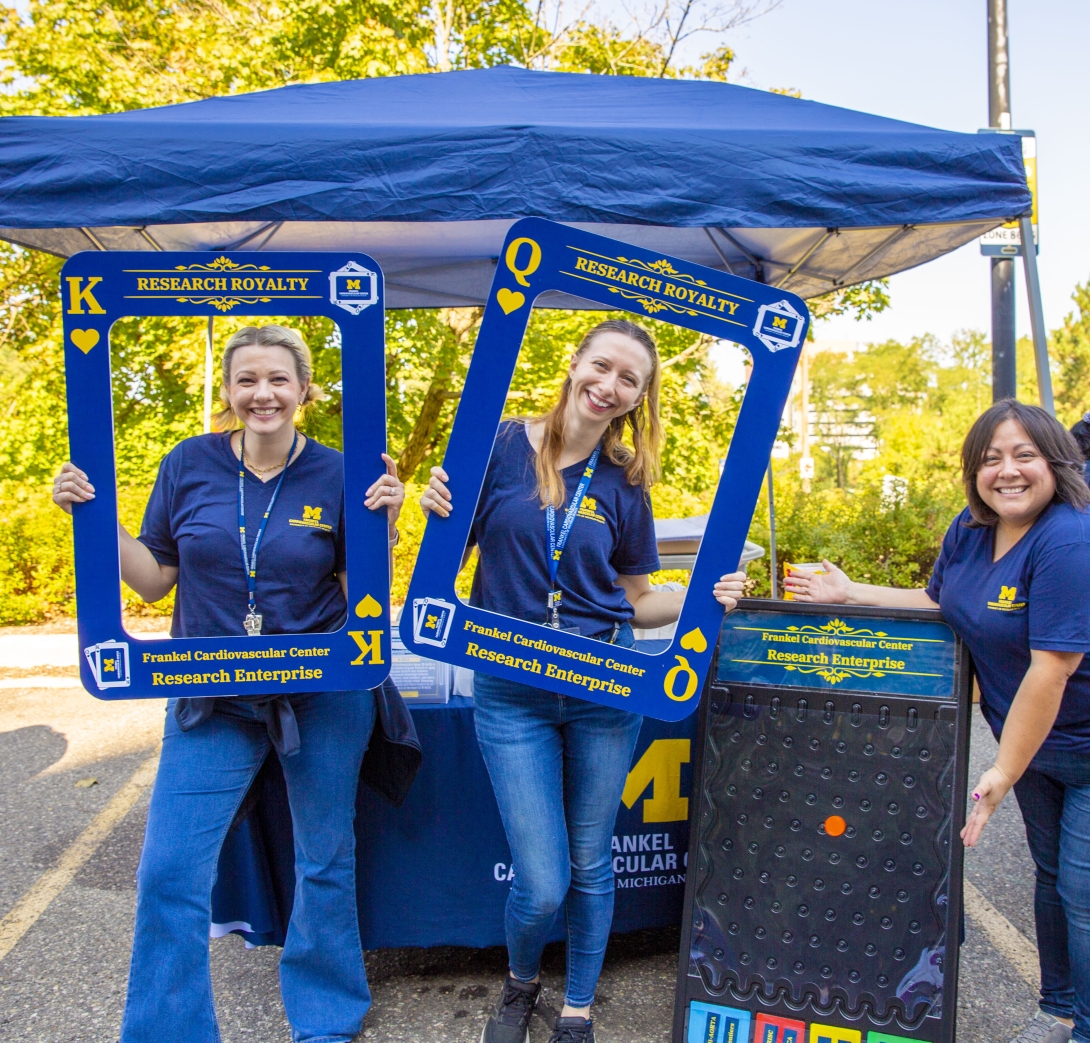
(1006, 240)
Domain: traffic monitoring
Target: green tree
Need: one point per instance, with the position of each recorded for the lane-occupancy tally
(65, 57)
(1069, 347)
(78, 56)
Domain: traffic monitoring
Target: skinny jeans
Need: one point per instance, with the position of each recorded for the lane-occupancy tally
(558, 767)
(1054, 796)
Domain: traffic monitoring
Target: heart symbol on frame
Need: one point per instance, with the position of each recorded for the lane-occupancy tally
(509, 300)
(694, 641)
(368, 607)
(85, 340)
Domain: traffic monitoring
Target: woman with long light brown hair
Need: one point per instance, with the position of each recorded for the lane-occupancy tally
(566, 537)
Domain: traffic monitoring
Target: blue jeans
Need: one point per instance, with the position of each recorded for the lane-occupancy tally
(558, 767)
(1054, 796)
(203, 776)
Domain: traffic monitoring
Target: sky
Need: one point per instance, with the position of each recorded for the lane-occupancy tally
(926, 61)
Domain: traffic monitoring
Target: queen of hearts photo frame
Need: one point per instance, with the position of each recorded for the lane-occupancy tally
(540, 256)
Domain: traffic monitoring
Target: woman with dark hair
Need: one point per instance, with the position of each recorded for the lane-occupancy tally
(1013, 582)
(558, 764)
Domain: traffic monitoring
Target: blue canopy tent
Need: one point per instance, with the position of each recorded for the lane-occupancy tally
(426, 173)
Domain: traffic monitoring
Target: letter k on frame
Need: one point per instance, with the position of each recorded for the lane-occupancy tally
(372, 646)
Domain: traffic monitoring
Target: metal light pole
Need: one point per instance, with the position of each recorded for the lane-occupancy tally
(1004, 365)
(209, 375)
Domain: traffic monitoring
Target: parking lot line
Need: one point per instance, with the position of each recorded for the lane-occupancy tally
(52, 882)
(1011, 942)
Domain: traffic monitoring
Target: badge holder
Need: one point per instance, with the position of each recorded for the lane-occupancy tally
(540, 256)
(98, 289)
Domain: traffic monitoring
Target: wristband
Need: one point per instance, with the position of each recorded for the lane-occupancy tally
(395, 539)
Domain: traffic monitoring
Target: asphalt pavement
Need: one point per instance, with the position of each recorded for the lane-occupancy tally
(63, 980)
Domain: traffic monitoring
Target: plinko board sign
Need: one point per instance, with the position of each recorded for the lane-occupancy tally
(97, 289)
(759, 648)
(540, 256)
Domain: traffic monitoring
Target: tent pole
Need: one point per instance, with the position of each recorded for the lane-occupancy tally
(1036, 315)
(772, 529)
(208, 378)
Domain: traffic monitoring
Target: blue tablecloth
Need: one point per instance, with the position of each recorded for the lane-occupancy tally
(436, 871)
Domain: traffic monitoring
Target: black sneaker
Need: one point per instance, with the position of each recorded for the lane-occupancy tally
(510, 1021)
(573, 1030)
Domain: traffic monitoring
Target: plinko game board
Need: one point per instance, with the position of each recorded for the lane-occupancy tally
(823, 898)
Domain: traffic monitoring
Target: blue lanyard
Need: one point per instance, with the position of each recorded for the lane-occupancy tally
(252, 622)
(556, 545)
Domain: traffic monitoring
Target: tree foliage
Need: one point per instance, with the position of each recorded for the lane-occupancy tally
(95, 56)
(1070, 353)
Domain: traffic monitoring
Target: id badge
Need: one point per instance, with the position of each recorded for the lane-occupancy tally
(552, 609)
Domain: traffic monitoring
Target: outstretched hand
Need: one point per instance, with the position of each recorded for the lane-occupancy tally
(437, 496)
(71, 486)
(993, 786)
(729, 589)
(829, 589)
(388, 492)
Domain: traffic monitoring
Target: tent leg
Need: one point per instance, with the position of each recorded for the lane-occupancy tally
(1037, 316)
(772, 530)
(208, 378)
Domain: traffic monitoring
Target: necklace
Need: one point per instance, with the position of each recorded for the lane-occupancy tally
(259, 470)
(264, 470)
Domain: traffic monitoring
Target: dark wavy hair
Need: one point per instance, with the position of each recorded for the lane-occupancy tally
(1050, 438)
(1081, 434)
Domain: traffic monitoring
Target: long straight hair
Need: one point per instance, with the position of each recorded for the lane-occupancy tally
(641, 461)
(1051, 439)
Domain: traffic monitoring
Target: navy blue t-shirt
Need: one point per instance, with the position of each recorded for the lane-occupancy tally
(1036, 596)
(613, 533)
(191, 521)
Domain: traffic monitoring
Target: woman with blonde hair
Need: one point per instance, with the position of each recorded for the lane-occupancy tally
(224, 526)
(566, 537)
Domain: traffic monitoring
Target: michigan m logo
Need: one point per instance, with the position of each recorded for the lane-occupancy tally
(660, 765)
(1008, 593)
(779, 323)
(353, 284)
(312, 514)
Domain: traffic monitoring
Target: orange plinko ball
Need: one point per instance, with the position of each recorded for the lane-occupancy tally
(835, 825)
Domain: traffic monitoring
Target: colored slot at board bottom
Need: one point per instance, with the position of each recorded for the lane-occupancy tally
(779, 1030)
(888, 1037)
(711, 1023)
(833, 1034)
